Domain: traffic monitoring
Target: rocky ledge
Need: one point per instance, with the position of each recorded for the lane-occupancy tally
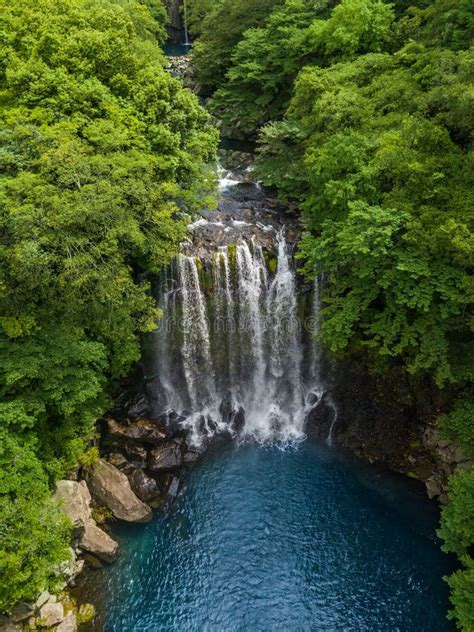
(141, 469)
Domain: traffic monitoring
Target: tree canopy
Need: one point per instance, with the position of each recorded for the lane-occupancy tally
(363, 110)
(104, 158)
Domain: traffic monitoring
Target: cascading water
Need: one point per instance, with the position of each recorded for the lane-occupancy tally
(231, 346)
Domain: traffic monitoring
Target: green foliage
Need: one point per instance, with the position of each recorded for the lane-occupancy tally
(366, 109)
(220, 30)
(458, 426)
(34, 533)
(462, 592)
(457, 531)
(384, 177)
(104, 157)
(267, 60)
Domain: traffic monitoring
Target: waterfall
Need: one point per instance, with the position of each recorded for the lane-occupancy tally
(229, 346)
(196, 352)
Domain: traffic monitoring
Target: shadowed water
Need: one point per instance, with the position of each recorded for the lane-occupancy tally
(265, 539)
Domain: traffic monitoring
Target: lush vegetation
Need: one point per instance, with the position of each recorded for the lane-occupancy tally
(103, 158)
(364, 114)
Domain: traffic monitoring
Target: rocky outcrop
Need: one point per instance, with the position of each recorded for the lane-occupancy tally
(75, 499)
(50, 614)
(175, 25)
(138, 431)
(95, 540)
(167, 456)
(145, 487)
(75, 502)
(449, 460)
(110, 487)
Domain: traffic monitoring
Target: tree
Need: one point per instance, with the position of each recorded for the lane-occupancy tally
(104, 158)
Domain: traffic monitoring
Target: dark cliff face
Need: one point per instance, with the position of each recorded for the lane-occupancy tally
(175, 26)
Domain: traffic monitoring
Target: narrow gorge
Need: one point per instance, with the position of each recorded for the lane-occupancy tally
(249, 506)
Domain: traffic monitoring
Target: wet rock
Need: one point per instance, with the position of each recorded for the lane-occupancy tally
(143, 485)
(50, 614)
(140, 431)
(137, 454)
(92, 562)
(320, 418)
(110, 486)
(96, 541)
(168, 485)
(167, 456)
(190, 457)
(238, 420)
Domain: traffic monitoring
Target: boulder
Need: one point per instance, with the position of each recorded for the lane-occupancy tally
(96, 541)
(69, 624)
(120, 462)
(434, 486)
(21, 612)
(167, 456)
(137, 454)
(74, 499)
(110, 487)
(169, 487)
(50, 614)
(143, 485)
(140, 431)
(43, 598)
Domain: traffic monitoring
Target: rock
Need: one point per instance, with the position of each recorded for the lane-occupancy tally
(74, 499)
(120, 462)
(190, 457)
(137, 454)
(166, 456)
(69, 624)
(21, 612)
(110, 487)
(50, 614)
(44, 597)
(143, 485)
(92, 562)
(434, 486)
(169, 485)
(7, 625)
(96, 541)
(141, 431)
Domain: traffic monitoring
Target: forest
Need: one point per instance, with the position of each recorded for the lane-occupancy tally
(363, 116)
(103, 159)
(363, 111)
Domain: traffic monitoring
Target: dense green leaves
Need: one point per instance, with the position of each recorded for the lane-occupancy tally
(104, 157)
(364, 113)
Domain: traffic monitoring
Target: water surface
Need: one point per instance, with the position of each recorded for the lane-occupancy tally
(265, 539)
